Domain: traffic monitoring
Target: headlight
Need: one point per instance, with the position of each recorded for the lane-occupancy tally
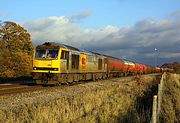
(56, 69)
(34, 68)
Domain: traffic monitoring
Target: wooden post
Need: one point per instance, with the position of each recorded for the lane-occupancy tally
(159, 99)
(154, 109)
(160, 94)
(160, 91)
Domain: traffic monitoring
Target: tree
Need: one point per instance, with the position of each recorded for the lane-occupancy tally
(16, 50)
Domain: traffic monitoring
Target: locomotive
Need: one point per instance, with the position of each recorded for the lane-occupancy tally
(55, 63)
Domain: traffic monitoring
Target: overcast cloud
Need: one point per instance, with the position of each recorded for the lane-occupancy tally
(135, 43)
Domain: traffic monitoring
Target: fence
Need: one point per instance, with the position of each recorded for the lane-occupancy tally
(157, 99)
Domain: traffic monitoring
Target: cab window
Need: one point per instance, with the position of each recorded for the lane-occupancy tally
(52, 54)
(46, 54)
(40, 54)
(64, 54)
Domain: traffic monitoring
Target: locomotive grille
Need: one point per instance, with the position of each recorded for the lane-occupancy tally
(44, 68)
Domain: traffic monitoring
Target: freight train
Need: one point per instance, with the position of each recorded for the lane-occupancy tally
(55, 63)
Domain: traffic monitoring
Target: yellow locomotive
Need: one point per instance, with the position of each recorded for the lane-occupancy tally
(55, 63)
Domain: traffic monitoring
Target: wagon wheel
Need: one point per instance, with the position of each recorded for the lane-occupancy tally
(70, 78)
(76, 78)
(94, 77)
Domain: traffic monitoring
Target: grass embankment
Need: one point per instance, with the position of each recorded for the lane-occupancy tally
(170, 111)
(103, 101)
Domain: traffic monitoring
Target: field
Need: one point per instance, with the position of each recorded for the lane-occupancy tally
(103, 101)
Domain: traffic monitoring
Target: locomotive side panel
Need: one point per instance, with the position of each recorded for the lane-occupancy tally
(91, 63)
(64, 60)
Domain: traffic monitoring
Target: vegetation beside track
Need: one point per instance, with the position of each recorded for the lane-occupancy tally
(102, 101)
(170, 110)
(175, 66)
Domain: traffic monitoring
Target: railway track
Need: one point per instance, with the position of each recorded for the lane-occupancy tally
(17, 88)
(6, 89)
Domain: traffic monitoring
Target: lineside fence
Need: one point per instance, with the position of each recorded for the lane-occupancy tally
(157, 100)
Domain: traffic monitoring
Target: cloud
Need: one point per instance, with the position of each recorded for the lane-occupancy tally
(62, 29)
(52, 28)
(80, 16)
(135, 43)
(175, 15)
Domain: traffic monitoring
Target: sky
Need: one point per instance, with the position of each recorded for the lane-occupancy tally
(125, 29)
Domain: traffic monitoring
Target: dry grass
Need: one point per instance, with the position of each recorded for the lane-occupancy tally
(170, 112)
(103, 101)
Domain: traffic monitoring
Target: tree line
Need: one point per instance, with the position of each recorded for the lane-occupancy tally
(16, 50)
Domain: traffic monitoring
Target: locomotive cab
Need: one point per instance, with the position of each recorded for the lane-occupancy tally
(46, 60)
(46, 63)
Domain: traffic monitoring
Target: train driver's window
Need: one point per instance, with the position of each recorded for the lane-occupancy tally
(64, 54)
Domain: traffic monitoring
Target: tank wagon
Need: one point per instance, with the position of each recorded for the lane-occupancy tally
(55, 63)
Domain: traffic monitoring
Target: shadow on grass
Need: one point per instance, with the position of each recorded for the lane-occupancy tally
(142, 108)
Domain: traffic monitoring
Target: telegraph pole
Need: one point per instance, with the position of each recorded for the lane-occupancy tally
(155, 56)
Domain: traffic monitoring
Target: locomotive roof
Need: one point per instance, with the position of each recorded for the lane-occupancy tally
(53, 45)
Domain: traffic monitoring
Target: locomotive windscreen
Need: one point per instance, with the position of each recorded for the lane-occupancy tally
(46, 54)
